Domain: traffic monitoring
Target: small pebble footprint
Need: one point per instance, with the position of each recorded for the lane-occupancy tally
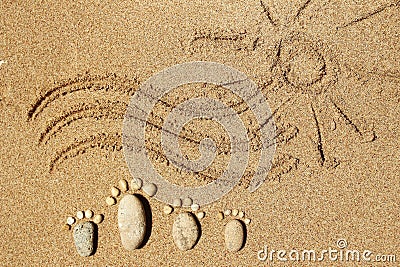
(84, 231)
(235, 230)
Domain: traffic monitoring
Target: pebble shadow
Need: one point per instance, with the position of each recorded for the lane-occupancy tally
(149, 219)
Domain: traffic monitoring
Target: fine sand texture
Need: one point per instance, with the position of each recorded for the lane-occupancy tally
(329, 71)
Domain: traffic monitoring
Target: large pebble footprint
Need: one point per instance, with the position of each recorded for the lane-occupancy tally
(134, 214)
(84, 231)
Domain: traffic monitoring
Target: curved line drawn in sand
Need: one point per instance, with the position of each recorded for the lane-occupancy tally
(197, 72)
(106, 109)
(300, 65)
(102, 141)
(109, 82)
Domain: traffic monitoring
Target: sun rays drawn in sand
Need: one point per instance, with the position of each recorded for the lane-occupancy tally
(101, 109)
(300, 65)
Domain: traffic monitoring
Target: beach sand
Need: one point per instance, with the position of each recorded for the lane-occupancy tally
(330, 72)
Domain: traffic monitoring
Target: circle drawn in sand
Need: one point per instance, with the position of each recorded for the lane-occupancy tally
(142, 103)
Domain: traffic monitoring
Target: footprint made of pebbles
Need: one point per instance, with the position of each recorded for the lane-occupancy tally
(85, 233)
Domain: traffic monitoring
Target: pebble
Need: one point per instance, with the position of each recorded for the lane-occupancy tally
(115, 191)
(220, 215)
(185, 231)
(123, 184)
(150, 189)
(84, 236)
(195, 207)
(333, 125)
(247, 221)
(187, 202)
(201, 215)
(235, 212)
(241, 214)
(137, 183)
(111, 201)
(234, 235)
(66, 227)
(98, 218)
(177, 202)
(70, 220)
(80, 215)
(228, 212)
(131, 222)
(88, 214)
(168, 209)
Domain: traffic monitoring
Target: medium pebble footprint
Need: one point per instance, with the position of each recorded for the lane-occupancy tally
(186, 230)
(85, 231)
(235, 229)
(134, 214)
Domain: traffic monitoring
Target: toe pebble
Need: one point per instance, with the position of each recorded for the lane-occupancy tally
(110, 201)
(123, 184)
(88, 214)
(241, 214)
(177, 202)
(70, 220)
(98, 218)
(80, 215)
(137, 183)
(84, 236)
(201, 215)
(168, 209)
(66, 227)
(220, 215)
(228, 212)
(115, 191)
(234, 235)
(131, 222)
(235, 212)
(247, 221)
(195, 207)
(187, 202)
(150, 189)
(185, 231)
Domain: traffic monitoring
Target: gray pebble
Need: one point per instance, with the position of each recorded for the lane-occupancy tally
(131, 222)
(185, 231)
(84, 234)
(234, 235)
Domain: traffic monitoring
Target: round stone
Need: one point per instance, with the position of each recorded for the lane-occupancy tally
(149, 189)
(80, 215)
(88, 214)
(241, 214)
(123, 184)
(187, 202)
(98, 218)
(200, 215)
(185, 231)
(137, 183)
(195, 207)
(220, 215)
(228, 212)
(168, 209)
(235, 212)
(177, 202)
(234, 235)
(111, 201)
(247, 221)
(115, 191)
(70, 220)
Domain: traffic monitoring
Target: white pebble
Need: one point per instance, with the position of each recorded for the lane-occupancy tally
(200, 215)
(177, 202)
(187, 202)
(88, 214)
(115, 191)
(235, 212)
(98, 218)
(137, 183)
(247, 221)
(80, 215)
(123, 184)
(228, 212)
(70, 220)
(195, 207)
(111, 201)
(168, 209)
(149, 189)
(241, 214)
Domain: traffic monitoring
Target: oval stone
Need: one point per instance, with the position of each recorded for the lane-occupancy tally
(131, 222)
(84, 234)
(185, 231)
(234, 235)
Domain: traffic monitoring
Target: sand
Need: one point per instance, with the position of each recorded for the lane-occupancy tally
(330, 72)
